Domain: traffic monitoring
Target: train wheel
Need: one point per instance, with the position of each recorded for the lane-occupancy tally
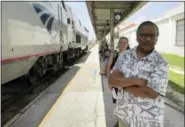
(37, 71)
(61, 60)
(81, 52)
(42, 67)
(78, 53)
(56, 67)
(86, 49)
(32, 76)
(57, 61)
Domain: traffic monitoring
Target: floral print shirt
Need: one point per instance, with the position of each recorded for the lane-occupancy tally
(138, 111)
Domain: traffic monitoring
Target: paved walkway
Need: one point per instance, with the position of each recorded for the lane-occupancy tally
(83, 104)
(87, 101)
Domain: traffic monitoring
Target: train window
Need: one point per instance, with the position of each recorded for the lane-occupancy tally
(78, 38)
(68, 21)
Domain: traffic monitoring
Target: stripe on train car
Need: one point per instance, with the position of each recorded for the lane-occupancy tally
(26, 57)
(45, 16)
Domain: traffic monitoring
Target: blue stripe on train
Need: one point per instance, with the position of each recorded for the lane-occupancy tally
(39, 8)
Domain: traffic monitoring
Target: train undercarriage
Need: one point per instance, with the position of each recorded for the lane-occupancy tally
(52, 63)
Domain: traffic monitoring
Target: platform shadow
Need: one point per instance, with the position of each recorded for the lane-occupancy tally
(37, 111)
(56, 90)
(109, 106)
(83, 58)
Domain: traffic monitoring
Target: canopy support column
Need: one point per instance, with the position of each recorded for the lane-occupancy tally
(112, 29)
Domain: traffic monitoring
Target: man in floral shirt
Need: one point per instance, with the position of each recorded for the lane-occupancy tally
(141, 74)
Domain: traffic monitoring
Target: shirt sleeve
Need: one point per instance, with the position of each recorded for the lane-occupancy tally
(159, 78)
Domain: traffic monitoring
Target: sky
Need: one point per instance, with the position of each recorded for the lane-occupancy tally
(148, 12)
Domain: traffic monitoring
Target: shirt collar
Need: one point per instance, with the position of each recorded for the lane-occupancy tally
(149, 57)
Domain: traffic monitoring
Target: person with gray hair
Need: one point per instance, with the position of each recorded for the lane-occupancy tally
(122, 46)
(141, 74)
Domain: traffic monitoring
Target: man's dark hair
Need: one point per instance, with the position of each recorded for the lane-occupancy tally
(147, 23)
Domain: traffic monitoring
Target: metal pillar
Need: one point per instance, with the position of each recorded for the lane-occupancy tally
(112, 29)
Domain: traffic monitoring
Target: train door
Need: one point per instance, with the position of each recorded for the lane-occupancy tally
(61, 39)
(63, 25)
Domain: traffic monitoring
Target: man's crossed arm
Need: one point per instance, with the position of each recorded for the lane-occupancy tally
(138, 87)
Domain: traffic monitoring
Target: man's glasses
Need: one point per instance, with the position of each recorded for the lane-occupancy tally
(123, 42)
(152, 36)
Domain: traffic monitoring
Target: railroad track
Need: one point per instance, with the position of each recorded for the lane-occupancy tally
(9, 101)
(6, 103)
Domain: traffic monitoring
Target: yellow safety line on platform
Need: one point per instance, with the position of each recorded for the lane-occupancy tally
(60, 97)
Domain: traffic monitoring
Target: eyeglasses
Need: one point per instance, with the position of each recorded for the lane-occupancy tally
(152, 36)
(123, 42)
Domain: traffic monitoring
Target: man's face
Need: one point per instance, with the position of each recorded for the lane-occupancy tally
(147, 38)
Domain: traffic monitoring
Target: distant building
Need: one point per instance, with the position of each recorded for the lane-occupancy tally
(171, 28)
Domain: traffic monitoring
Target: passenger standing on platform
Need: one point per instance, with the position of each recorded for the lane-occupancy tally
(100, 50)
(142, 75)
(123, 45)
(104, 59)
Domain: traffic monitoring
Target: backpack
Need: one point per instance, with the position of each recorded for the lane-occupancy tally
(114, 59)
(113, 63)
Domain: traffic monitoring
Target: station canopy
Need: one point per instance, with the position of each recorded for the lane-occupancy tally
(99, 12)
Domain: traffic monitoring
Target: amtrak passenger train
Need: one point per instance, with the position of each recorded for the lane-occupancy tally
(37, 37)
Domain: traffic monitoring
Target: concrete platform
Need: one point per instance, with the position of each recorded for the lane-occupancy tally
(83, 104)
(80, 98)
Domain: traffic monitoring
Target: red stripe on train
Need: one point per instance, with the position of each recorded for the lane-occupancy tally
(26, 57)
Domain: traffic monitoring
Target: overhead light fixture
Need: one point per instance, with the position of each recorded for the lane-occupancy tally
(117, 16)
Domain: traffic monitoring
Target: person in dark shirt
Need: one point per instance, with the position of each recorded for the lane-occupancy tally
(123, 45)
(105, 53)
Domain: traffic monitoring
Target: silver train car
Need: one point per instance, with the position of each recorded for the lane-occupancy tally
(37, 37)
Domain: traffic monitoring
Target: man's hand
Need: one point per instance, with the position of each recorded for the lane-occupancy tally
(134, 90)
(117, 79)
(144, 92)
(139, 81)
